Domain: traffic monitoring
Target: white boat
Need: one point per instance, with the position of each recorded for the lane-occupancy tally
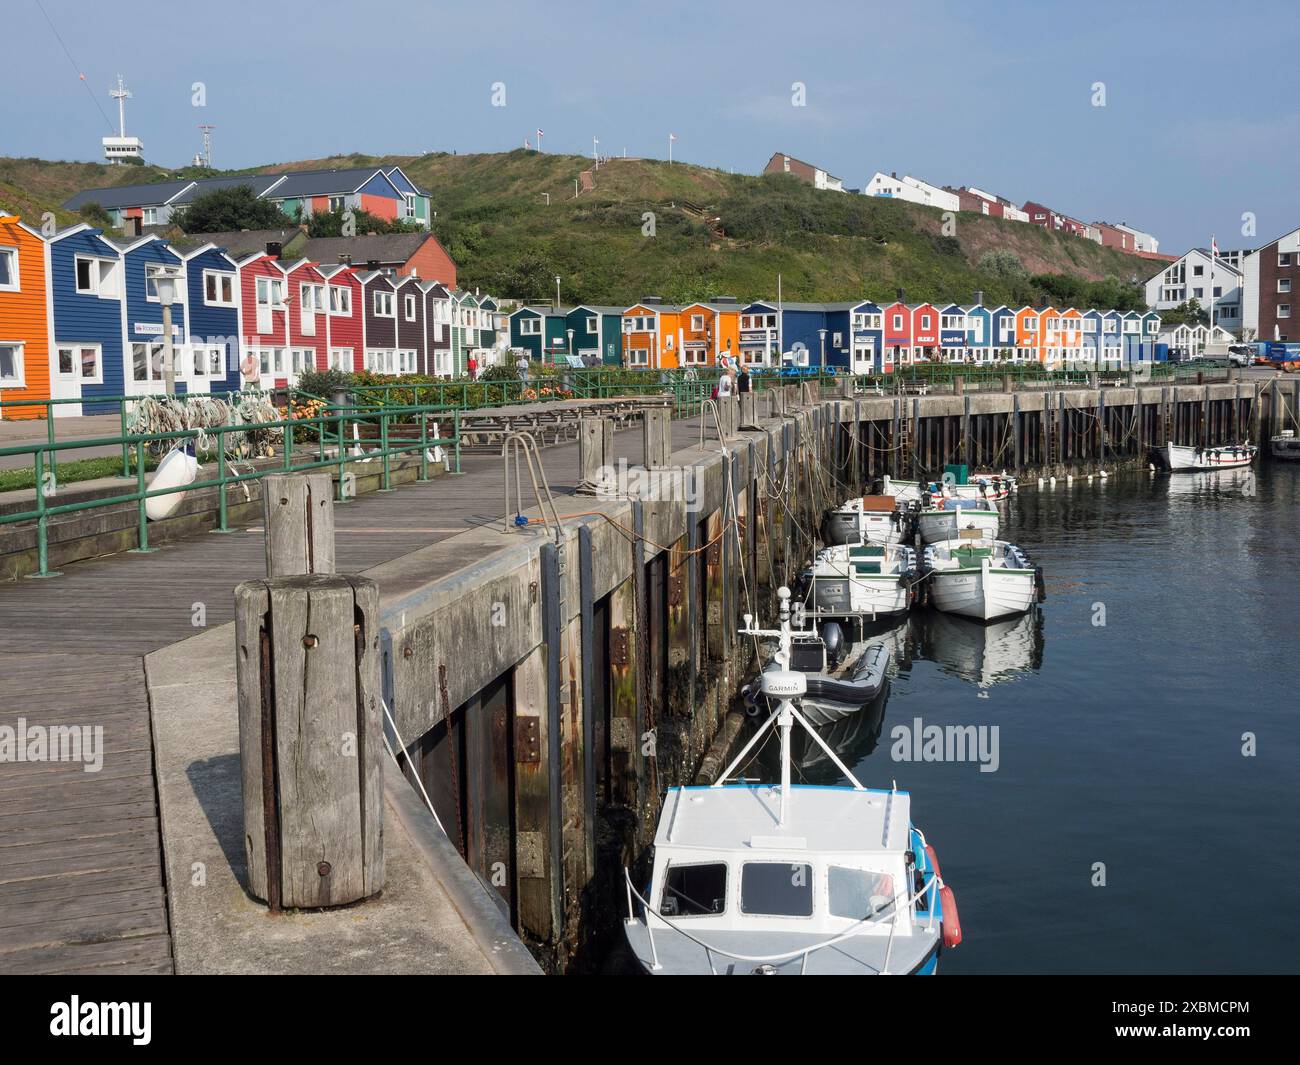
(861, 582)
(981, 578)
(953, 516)
(1178, 457)
(984, 487)
(1285, 446)
(772, 879)
(870, 519)
(841, 681)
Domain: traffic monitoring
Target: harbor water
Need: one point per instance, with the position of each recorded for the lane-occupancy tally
(1139, 734)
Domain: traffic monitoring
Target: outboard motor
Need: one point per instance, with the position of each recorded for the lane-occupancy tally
(833, 637)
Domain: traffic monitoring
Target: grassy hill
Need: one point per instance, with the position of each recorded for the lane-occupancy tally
(715, 233)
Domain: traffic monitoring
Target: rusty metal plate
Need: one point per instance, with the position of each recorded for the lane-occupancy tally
(528, 740)
(676, 590)
(618, 648)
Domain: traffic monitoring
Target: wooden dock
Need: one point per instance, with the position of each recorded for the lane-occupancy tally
(81, 881)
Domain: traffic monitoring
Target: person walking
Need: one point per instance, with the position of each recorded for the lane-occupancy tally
(521, 367)
(725, 385)
(743, 383)
(473, 368)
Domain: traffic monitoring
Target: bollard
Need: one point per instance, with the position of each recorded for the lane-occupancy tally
(595, 451)
(807, 393)
(298, 522)
(728, 412)
(655, 437)
(310, 739)
(848, 386)
(775, 402)
(1008, 383)
(959, 385)
(748, 411)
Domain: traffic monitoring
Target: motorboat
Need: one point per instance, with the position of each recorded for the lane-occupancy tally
(982, 487)
(861, 583)
(867, 519)
(1179, 458)
(776, 879)
(1285, 446)
(946, 519)
(981, 578)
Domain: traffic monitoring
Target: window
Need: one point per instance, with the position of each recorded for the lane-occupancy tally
(696, 357)
(898, 322)
(95, 277)
(593, 326)
(1031, 325)
(87, 276)
(149, 216)
(9, 269)
(859, 893)
(694, 890)
(1284, 284)
(383, 305)
(1284, 310)
(409, 198)
(302, 360)
(218, 289)
(152, 272)
(147, 362)
(336, 203)
(11, 365)
(408, 308)
(837, 340)
(1284, 258)
(638, 357)
(81, 362)
(209, 362)
(697, 323)
(530, 327)
(1198, 271)
(925, 321)
(776, 889)
(340, 300)
(340, 358)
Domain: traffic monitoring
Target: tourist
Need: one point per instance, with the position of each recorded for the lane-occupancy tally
(725, 385)
(473, 368)
(743, 383)
(521, 367)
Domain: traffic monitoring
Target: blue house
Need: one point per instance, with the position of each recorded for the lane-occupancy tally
(212, 296)
(760, 334)
(801, 339)
(597, 332)
(867, 338)
(144, 259)
(1090, 346)
(838, 322)
(1151, 350)
(1002, 333)
(541, 332)
(979, 332)
(85, 272)
(952, 333)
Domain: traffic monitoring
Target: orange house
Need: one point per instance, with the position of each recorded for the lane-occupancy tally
(708, 332)
(1049, 336)
(1029, 330)
(652, 336)
(24, 318)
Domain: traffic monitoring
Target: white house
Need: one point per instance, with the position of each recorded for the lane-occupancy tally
(912, 189)
(1142, 241)
(1189, 278)
(1192, 340)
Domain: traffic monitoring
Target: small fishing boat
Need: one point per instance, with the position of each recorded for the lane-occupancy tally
(1285, 446)
(869, 519)
(840, 680)
(1178, 458)
(773, 879)
(981, 578)
(984, 487)
(861, 583)
(946, 519)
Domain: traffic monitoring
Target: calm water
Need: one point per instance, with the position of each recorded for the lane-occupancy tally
(1120, 743)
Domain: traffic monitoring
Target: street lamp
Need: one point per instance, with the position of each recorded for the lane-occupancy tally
(822, 333)
(165, 286)
(557, 292)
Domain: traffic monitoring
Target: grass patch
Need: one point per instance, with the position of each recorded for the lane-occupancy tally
(71, 472)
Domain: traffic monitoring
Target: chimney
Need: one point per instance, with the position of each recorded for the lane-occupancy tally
(902, 296)
(345, 257)
(651, 301)
(894, 174)
(273, 249)
(979, 297)
(372, 264)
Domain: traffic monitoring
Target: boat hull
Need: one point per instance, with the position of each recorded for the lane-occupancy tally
(1285, 448)
(936, 526)
(1178, 458)
(983, 594)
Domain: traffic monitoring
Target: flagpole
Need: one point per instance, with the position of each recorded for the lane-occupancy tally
(1214, 248)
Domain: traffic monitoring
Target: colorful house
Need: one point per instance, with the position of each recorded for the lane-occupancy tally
(379, 310)
(437, 323)
(867, 339)
(308, 318)
(801, 333)
(597, 332)
(416, 202)
(979, 334)
(144, 260)
(651, 335)
(952, 334)
(1002, 333)
(345, 328)
(760, 334)
(837, 321)
(540, 331)
(263, 321)
(307, 192)
(410, 323)
(212, 295)
(898, 334)
(710, 332)
(84, 310)
(24, 319)
(1027, 331)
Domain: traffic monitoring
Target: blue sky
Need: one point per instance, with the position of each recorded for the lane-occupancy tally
(1201, 121)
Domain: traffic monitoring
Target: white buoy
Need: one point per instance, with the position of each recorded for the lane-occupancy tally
(1052, 481)
(1040, 482)
(1069, 478)
(1151, 466)
(177, 468)
(1090, 478)
(1102, 474)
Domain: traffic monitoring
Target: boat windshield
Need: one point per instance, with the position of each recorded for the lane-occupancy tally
(859, 893)
(776, 889)
(694, 890)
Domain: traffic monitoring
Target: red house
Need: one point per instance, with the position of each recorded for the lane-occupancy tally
(925, 331)
(308, 318)
(898, 333)
(345, 320)
(263, 321)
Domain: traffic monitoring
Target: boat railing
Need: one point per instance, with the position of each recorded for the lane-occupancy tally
(930, 887)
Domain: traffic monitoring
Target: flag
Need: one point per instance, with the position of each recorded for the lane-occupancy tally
(1214, 248)
(672, 136)
(539, 132)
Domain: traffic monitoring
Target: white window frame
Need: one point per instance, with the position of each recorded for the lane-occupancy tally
(15, 268)
(148, 216)
(19, 377)
(697, 323)
(75, 373)
(530, 327)
(342, 306)
(93, 265)
(1284, 286)
(1284, 310)
(593, 326)
(696, 357)
(381, 298)
(220, 276)
(152, 271)
(340, 359)
(152, 348)
(638, 357)
(408, 307)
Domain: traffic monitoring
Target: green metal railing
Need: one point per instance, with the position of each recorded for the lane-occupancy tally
(332, 432)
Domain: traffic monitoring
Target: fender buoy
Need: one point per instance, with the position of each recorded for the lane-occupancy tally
(178, 467)
(951, 922)
(932, 860)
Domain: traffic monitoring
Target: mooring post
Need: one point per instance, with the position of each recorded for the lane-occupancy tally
(655, 429)
(298, 523)
(959, 385)
(310, 737)
(727, 416)
(848, 386)
(595, 450)
(1015, 431)
(748, 411)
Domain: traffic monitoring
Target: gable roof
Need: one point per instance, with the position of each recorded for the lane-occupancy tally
(257, 183)
(239, 242)
(327, 182)
(387, 248)
(150, 194)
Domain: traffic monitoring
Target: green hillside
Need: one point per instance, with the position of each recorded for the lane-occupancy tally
(715, 233)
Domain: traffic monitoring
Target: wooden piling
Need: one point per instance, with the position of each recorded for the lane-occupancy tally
(298, 523)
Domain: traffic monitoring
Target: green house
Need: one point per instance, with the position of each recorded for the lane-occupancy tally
(541, 331)
(597, 331)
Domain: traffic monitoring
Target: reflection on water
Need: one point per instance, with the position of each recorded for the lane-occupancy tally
(984, 654)
(1243, 483)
